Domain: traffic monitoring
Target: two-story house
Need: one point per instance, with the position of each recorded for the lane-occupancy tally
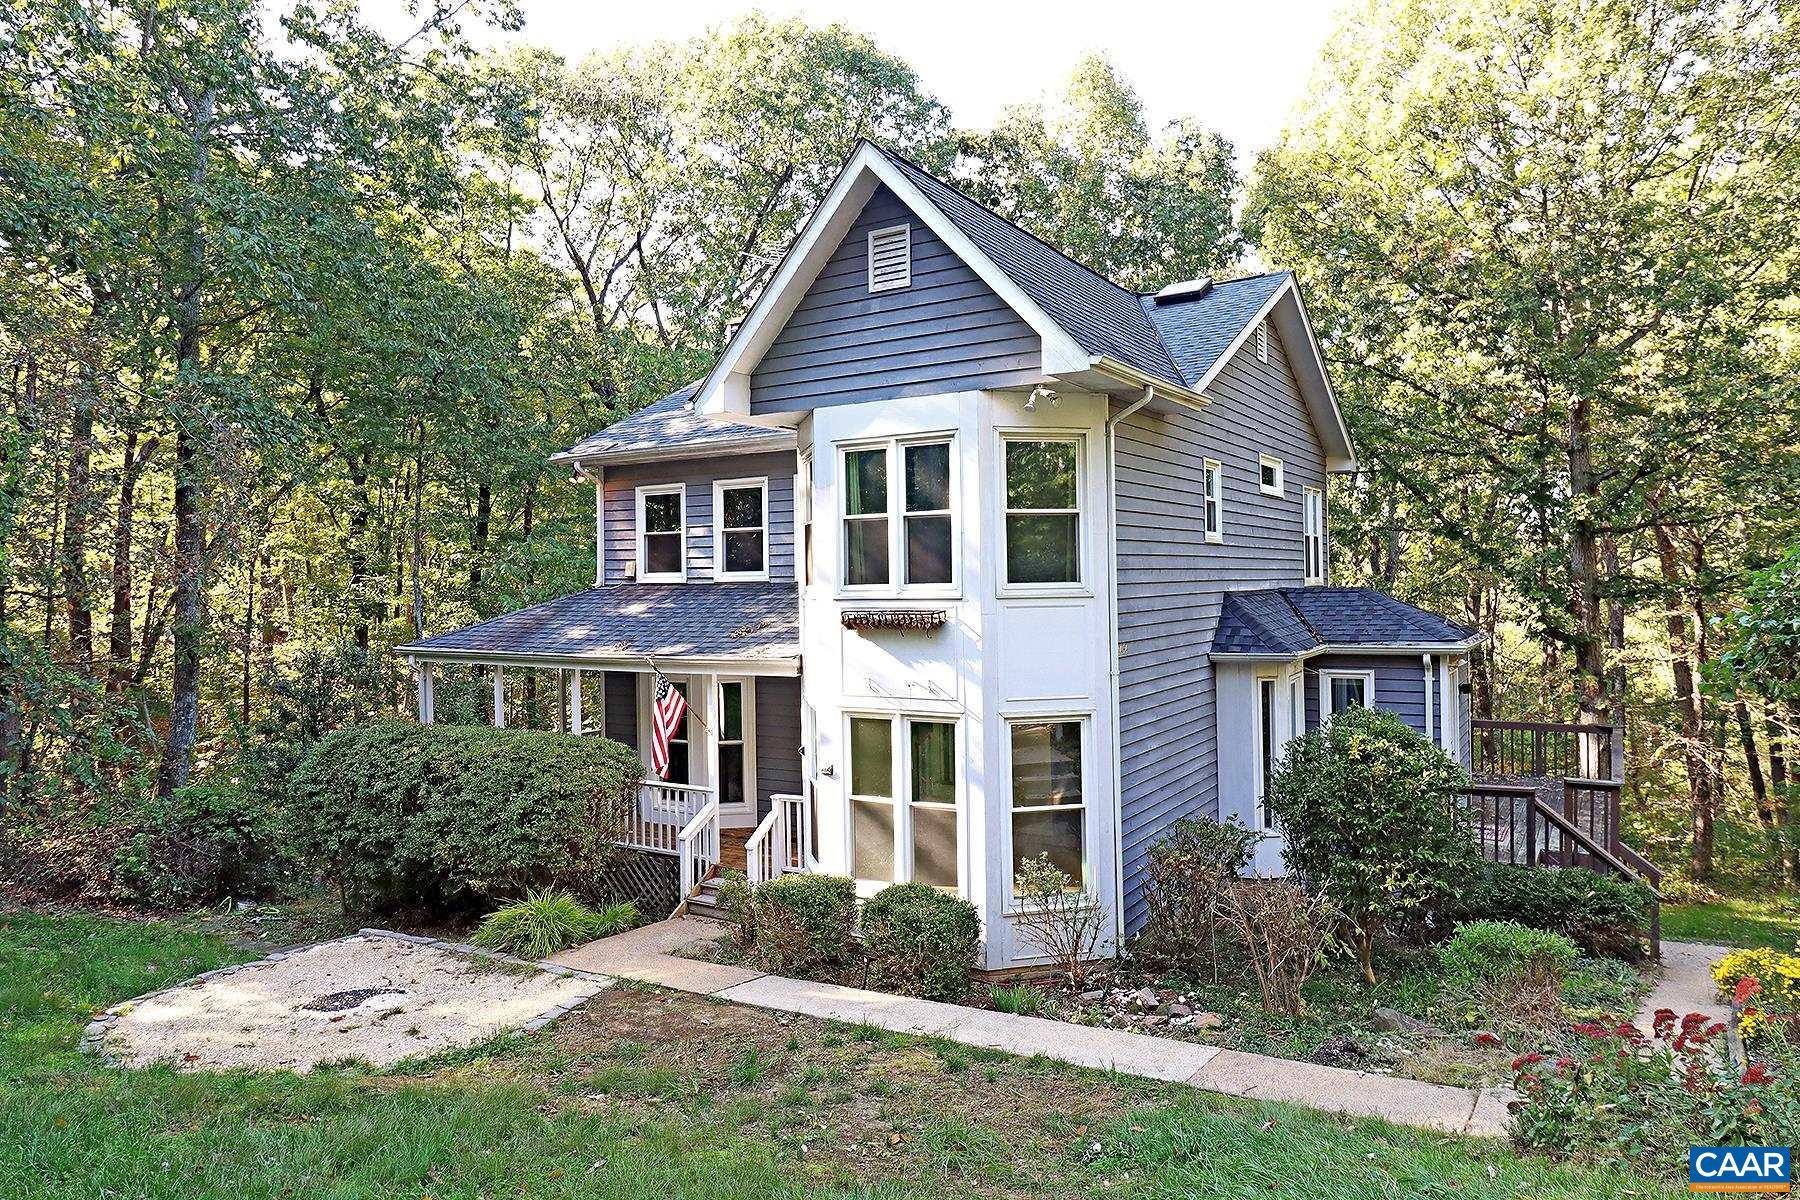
(964, 554)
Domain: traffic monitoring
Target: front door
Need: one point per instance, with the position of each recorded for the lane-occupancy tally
(1279, 714)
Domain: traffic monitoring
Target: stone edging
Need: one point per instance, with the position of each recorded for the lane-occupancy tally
(93, 1037)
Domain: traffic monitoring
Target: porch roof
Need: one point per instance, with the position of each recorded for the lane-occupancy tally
(671, 427)
(1295, 622)
(626, 624)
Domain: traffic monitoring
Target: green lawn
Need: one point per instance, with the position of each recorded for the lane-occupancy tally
(1741, 919)
(744, 1104)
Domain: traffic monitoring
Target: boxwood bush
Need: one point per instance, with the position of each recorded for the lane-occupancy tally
(1600, 913)
(920, 941)
(395, 812)
(804, 922)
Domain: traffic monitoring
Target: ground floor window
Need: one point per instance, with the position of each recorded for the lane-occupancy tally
(1049, 809)
(1339, 690)
(733, 746)
(903, 800)
(680, 765)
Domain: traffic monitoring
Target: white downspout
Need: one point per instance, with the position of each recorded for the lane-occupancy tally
(499, 697)
(1449, 722)
(1112, 660)
(1430, 717)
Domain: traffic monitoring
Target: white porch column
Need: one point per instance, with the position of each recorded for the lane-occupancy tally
(575, 724)
(499, 697)
(427, 698)
(562, 700)
(705, 770)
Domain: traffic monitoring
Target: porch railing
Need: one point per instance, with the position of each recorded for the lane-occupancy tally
(782, 843)
(698, 847)
(663, 810)
(1547, 750)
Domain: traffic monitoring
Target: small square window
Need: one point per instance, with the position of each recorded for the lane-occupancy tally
(1273, 475)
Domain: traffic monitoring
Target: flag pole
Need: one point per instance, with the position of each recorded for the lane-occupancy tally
(657, 673)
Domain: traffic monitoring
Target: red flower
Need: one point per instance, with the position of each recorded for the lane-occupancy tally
(1527, 1060)
(1757, 1074)
(1626, 1030)
(1692, 1022)
(1663, 1021)
(1715, 1029)
(1747, 987)
(1485, 1038)
(1564, 1063)
(1589, 1029)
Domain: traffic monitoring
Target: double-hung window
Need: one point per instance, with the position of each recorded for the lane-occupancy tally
(733, 743)
(900, 535)
(1049, 807)
(1313, 538)
(1213, 479)
(741, 529)
(1339, 690)
(903, 820)
(662, 533)
(1043, 510)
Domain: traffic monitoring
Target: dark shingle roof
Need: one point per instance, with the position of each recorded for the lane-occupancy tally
(1100, 315)
(1196, 332)
(758, 621)
(671, 424)
(1283, 622)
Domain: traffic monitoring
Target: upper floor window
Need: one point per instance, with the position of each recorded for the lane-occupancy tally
(1213, 476)
(741, 529)
(903, 534)
(1043, 510)
(1312, 539)
(890, 258)
(662, 533)
(1272, 475)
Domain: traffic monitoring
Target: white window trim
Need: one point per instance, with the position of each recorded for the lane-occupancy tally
(1312, 534)
(748, 741)
(643, 562)
(900, 772)
(1264, 730)
(700, 770)
(1212, 493)
(895, 449)
(893, 285)
(1329, 674)
(1279, 487)
(1079, 586)
(720, 487)
(1089, 893)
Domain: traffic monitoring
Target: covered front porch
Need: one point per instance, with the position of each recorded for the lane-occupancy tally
(587, 665)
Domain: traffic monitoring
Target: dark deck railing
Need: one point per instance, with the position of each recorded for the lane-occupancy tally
(1547, 750)
(1571, 823)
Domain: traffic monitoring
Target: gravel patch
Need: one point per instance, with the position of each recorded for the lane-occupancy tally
(374, 997)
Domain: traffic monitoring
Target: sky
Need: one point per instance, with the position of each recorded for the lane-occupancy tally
(1239, 67)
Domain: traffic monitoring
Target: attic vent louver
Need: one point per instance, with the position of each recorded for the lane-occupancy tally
(1187, 289)
(890, 258)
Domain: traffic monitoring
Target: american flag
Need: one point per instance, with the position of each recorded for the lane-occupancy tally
(666, 714)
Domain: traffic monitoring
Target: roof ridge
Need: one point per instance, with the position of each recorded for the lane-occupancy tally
(1300, 616)
(1063, 254)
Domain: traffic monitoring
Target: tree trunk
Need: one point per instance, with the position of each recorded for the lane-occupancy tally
(1775, 735)
(76, 597)
(478, 540)
(1690, 707)
(358, 549)
(189, 628)
(1759, 788)
(1594, 702)
(118, 633)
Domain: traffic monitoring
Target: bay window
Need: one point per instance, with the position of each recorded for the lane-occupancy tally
(903, 801)
(899, 536)
(1049, 808)
(1043, 511)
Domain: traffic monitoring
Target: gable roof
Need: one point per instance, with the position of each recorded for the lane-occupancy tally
(1297, 621)
(1199, 332)
(627, 623)
(671, 424)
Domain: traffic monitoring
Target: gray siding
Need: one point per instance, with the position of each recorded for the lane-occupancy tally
(1399, 684)
(946, 332)
(620, 514)
(777, 740)
(1171, 580)
(621, 707)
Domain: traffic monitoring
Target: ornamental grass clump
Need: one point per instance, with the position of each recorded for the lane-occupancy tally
(1502, 972)
(548, 921)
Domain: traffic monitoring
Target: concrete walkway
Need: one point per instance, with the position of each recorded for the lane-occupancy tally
(1686, 984)
(648, 954)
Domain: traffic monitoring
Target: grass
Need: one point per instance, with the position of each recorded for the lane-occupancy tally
(1743, 918)
(655, 1094)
